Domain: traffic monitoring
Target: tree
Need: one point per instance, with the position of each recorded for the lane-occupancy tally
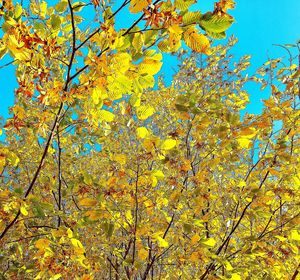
(103, 177)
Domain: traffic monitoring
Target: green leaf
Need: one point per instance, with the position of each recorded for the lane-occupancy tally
(60, 7)
(78, 6)
(55, 21)
(138, 41)
(19, 191)
(164, 46)
(215, 23)
(110, 229)
(3, 51)
(183, 5)
(187, 227)
(191, 17)
(218, 36)
(181, 108)
(38, 211)
(18, 11)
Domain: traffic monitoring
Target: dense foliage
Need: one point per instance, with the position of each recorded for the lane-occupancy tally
(103, 177)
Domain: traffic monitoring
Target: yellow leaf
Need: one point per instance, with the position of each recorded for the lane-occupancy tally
(281, 238)
(158, 174)
(194, 257)
(142, 254)
(121, 61)
(82, 260)
(5, 193)
(18, 50)
(184, 4)
(128, 216)
(142, 132)
(195, 239)
(144, 112)
(94, 215)
(154, 181)
(153, 55)
(120, 158)
(196, 41)
(242, 184)
(39, 275)
(235, 276)
(175, 28)
(96, 93)
(228, 266)
(296, 74)
(19, 111)
(174, 41)
(76, 243)
(137, 6)
(138, 41)
(18, 10)
(56, 276)
(244, 142)
(211, 242)
(88, 202)
(162, 242)
(24, 211)
(295, 235)
(2, 163)
(296, 180)
(57, 233)
(168, 144)
(86, 277)
(106, 116)
(70, 233)
(269, 103)
(150, 66)
(43, 9)
(250, 132)
(42, 244)
(118, 85)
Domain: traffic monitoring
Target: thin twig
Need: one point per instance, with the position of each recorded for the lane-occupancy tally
(7, 64)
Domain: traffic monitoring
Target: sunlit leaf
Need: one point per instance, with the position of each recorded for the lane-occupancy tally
(216, 23)
(196, 41)
(137, 6)
(144, 112)
(211, 242)
(142, 132)
(88, 202)
(168, 144)
(106, 116)
(184, 4)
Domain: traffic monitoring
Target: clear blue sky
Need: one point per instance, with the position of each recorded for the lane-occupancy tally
(259, 24)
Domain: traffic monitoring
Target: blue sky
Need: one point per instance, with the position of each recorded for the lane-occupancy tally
(259, 24)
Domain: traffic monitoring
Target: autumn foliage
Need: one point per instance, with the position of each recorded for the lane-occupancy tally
(105, 177)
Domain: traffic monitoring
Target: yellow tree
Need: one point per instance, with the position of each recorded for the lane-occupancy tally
(103, 177)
